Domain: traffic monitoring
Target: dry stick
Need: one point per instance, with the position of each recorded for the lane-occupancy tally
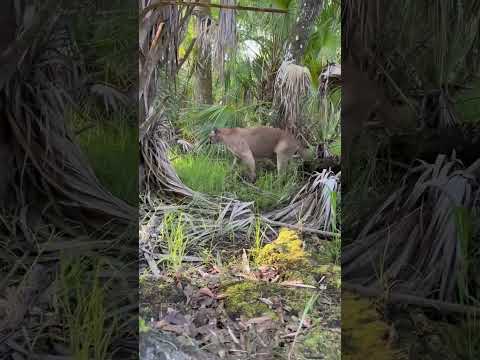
(187, 53)
(300, 228)
(233, 7)
(412, 300)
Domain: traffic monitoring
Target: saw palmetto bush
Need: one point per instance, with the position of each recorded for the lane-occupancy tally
(57, 205)
(422, 237)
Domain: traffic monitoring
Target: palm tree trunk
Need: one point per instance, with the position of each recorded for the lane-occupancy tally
(307, 12)
(203, 68)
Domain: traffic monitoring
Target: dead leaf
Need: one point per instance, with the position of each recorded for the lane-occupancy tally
(245, 263)
(206, 291)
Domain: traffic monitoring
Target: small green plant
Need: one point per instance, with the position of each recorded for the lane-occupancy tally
(142, 325)
(173, 237)
(333, 250)
(308, 308)
(258, 243)
(82, 304)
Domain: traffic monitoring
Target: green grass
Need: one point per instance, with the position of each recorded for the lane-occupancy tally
(336, 147)
(81, 300)
(175, 241)
(112, 150)
(216, 176)
(269, 190)
(201, 173)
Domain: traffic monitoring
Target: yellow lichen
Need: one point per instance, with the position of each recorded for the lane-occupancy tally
(286, 252)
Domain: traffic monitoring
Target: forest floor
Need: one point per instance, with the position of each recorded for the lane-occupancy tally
(276, 302)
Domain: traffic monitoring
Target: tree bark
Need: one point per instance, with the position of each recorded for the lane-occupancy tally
(203, 68)
(307, 13)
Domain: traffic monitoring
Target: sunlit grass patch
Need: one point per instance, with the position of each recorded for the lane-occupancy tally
(217, 176)
(201, 173)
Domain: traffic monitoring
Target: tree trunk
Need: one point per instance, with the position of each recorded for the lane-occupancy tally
(203, 67)
(307, 13)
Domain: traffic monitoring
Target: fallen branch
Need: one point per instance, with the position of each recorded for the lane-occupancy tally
(221, 6)
(301, 228)
(396, 297)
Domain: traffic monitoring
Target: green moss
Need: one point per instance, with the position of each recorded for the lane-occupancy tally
(363, 331)
(331, 272)
(243, 299)
(319, 341)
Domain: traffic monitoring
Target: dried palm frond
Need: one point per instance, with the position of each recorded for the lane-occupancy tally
(330, 76)
(160, 32)
(206, 34)
(291, 86)
(36, 112)
(215, 219)
(226, 36)
(314, 204)
(416, 238)
(159, 172)
(204, 221)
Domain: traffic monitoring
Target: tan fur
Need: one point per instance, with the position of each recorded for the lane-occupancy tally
(252, 144)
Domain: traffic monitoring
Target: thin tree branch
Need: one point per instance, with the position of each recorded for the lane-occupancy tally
(187, 53)
(397, 297)
(190, 3)
(300, 228)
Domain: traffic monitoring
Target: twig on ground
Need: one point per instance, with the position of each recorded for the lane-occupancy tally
(397, 297)
(301, 228)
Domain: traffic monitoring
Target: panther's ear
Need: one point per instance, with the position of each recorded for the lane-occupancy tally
(215, 130)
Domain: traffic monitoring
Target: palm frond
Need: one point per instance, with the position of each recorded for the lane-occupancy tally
(414, 237)
(292, 84)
